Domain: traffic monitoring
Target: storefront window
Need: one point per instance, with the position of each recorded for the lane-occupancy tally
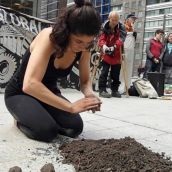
(24, 6)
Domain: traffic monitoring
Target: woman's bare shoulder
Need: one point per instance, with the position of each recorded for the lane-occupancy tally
(42, 39)
(45, 33)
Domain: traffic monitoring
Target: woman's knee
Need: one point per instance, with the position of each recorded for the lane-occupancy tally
(70, 132)
(46, 134)
(74, 130)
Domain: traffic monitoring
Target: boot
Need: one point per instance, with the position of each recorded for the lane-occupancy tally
(116, 94)
(104, 94)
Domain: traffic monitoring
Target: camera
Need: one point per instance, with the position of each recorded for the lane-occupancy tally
(110, 51)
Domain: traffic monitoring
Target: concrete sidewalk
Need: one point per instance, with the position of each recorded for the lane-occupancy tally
(146, 120)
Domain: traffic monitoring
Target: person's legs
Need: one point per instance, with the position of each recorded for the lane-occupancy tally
(148, 67)
(156, 67)
(32, 119)
(103, 80)
(35, 120)
(70, 124)
(115, 73)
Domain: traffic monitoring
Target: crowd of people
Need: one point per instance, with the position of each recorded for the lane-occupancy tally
(52, 54)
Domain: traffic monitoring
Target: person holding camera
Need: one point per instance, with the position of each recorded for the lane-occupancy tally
(110, 41)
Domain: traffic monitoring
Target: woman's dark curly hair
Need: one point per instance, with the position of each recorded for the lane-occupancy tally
(80, 18)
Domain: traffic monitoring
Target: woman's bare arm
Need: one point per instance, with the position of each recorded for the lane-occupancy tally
(41, 50)
(84, 70)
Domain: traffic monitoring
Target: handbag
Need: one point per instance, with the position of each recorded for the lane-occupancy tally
(145, 88)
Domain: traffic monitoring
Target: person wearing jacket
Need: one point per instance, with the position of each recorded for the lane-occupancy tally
(129, 49)
(154, 51)
(110, 41)
(167, 60)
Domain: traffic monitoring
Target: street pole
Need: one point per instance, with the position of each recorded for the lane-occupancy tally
(164, 22)
(163, 26)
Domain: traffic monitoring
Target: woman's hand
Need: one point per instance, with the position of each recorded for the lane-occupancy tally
(97, 108)
(88, 103)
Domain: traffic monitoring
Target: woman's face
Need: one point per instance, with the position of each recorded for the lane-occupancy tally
(170, 38)
(79, 43)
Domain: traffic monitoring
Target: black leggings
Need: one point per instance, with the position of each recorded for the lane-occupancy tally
(40, 121)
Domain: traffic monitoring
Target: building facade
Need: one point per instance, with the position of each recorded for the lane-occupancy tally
(50, 9)
(152, 14)
(30, 7)
(158, 16)
(138, 7)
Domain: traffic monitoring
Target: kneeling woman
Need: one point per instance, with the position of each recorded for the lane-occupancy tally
(32, 96)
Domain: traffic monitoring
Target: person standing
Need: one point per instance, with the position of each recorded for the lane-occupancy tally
(167, 60)
(154, 52)
(110, 41)
(129, 46)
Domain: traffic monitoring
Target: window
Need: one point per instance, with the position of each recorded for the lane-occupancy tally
(127, 5)
(68, 1)
(133, 4)
(138, 25)
(137, 45)
(148, 35)
(150, 2)
(23, 6)
(98, 9)
(140, 3)
(161, 11)
(52, 14)
(140, 14)
(137, 56)
(104, 17)
(168, 22)
(113, 1)
(116, 8)
(167, 11)
(156, 23)
(105, 2)
(98, 2)
(105, 9)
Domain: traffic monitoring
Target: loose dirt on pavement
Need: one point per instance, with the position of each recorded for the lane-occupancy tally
(109, 155)
(113, 155)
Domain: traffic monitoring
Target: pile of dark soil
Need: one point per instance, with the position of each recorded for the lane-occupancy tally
(112, 155)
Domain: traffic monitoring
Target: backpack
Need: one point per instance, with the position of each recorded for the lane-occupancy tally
(145, 88)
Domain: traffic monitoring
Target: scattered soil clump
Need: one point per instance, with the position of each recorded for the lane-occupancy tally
(113, 155)
(48, 168)
(15, 169)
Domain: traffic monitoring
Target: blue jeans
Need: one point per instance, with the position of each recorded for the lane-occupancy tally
(151, 66)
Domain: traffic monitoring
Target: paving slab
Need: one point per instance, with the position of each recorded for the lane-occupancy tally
(146, 120)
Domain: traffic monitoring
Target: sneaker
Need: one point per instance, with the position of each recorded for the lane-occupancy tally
(116, 94)
(104, 94)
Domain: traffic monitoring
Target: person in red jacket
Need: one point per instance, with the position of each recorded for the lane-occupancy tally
(154, 52)
(110, 41)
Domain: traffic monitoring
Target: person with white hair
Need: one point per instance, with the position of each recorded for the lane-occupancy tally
(110, 41)
(129, 49)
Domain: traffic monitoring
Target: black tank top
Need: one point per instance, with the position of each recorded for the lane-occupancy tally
(14, 86)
